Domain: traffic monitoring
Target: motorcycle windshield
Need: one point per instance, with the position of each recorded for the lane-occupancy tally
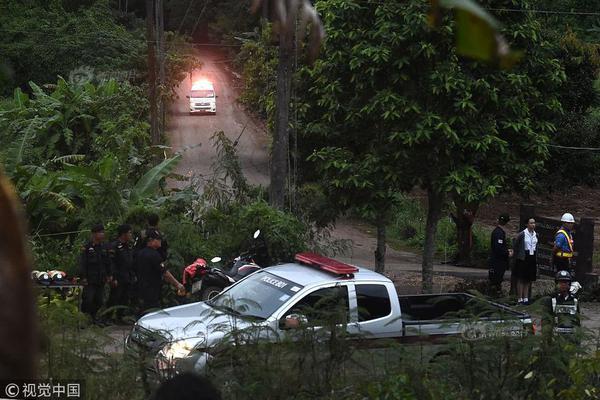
(257, 296)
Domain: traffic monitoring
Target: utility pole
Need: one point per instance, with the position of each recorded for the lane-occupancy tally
(279, 156)
(150, 39)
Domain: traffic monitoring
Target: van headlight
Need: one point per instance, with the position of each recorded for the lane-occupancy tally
(181, 348)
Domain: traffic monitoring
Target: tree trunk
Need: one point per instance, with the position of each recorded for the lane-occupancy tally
(435, 201)
(279, 156)
(154, 133)
(381, 238)
(464, 218)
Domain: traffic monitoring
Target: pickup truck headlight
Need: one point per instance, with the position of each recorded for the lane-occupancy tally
(181, 348)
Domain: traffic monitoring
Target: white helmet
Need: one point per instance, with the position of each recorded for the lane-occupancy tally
(567, 217)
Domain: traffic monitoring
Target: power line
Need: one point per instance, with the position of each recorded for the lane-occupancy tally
(59, 233)
(556, 146)
(518, 10)
(550, 12)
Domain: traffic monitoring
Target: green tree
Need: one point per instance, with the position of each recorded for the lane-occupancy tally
(43, 39)
(579, 124)
(391, 88)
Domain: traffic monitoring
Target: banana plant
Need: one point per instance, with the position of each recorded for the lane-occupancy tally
(148, 185)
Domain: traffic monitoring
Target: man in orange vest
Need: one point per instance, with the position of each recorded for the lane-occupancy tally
(563, 244)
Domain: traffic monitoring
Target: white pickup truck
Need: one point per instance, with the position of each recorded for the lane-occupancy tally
(281, 297)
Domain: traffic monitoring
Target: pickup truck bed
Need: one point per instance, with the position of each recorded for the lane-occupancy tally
(450, 314)
(450, 306)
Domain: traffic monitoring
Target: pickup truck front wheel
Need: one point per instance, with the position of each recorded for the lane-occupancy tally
(210, 292)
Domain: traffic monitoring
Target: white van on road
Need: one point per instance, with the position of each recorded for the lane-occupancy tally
(202, 98)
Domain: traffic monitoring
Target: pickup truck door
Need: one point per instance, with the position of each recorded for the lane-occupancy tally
(320, 306)
(375, 310)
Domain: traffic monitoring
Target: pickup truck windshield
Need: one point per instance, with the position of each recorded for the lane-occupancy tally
(202, 93)
(257, 296)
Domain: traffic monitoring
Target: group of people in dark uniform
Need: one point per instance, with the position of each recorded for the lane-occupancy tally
(562, 306)
(133, 269)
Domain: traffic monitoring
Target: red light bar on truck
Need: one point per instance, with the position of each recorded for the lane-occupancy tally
(326, 264)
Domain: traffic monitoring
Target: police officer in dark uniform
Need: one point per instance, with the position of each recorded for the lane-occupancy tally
(151, 271)
(121, 257)
(500, 253)
(563, 306)
(142, 240)
(94, 271)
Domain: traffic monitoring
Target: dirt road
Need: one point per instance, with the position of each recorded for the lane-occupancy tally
(186, 130)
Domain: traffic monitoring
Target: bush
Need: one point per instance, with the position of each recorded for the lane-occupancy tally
(231, 230)
(89, 355)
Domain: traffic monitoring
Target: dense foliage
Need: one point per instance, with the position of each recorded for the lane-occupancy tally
(74, 147)
(579, 124)
(43, 39)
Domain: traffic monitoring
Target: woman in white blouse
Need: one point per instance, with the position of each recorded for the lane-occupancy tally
(526, 261)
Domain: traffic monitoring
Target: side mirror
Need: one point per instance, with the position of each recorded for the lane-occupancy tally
(215, 259)
(293, 321)
(257, 233)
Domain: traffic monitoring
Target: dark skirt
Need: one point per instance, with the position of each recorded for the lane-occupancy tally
(526, 270)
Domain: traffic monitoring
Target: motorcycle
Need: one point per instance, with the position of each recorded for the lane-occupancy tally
(203, 282)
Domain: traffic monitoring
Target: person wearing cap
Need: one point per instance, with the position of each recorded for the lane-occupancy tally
(563, 244)
(142, 240)
(94, 272)
(562, 307)
(500, 253)
(121, 257)
(151, 272)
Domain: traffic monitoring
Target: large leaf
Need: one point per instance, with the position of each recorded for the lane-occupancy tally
(20, 98)
(107, 168)
(148, 183)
